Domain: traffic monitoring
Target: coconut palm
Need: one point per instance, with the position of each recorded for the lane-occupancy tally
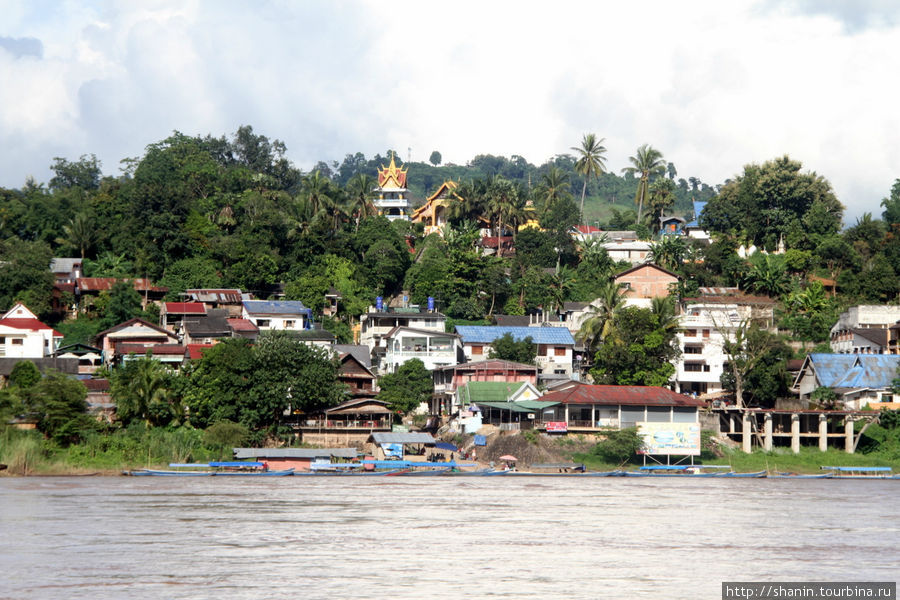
(767, 274)
(553, 187)
(501, 195)
(601, 311)
(80, 233)
(646, 163)
(560, 284)
(662, 196)
(663, 308)
(591, 161)
(359, 191)
(315, 189)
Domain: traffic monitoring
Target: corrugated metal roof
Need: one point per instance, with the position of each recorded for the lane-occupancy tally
(610, 395)
(245, 453)
(526, 406)
(402, 438)
(855, 370)
(276, 307)
(474, 334)
(489, 391)
(188, 308)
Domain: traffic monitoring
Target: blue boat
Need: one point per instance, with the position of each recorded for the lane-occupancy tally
(783, 475)
(213, 469)
(706, 471)
(861, 472)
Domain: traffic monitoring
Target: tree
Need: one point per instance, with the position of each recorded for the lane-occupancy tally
(408, 388)
(591, 161)
(83, 174)
(25, 275)
(61, 405)
(669, 252)
(601, 314)
(435, 158)
(220, 382)
(24, 375)
(745, 345)
(662, 196)
(891, 214)
(767, 274)
(359, 190)
(141, 391)
(768, 203)
(646, 163)
(506, 347)
(80, 233)
(638, 351)
(120, 304)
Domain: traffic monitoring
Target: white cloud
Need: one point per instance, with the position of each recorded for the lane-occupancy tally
(713, 85)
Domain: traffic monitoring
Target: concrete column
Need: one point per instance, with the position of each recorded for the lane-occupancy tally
(795, 433)
(823, 433)
(746, 433)
(768, 432)
(848, 435)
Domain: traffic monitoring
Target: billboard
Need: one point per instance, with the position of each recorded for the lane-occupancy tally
(556, 426)
(682, 439)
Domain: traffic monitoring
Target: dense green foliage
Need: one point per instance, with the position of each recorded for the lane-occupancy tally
(619, 446)
(408, 388)
(506, 347)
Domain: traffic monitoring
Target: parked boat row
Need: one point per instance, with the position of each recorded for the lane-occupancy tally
(452, 469)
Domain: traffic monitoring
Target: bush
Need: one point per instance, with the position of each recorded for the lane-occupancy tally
(619, 446)
(225, 434)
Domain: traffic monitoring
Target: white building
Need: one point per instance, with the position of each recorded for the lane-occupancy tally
(634, 252)
(434, 348)
(22, 335)
(377, 322)
(393, 197)
(864, 329)
(280, 315)
(701, 337)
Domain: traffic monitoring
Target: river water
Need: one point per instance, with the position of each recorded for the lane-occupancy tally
(433, 537)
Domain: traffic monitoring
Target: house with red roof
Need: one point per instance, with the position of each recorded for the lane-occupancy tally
(173, 314)
(584, 408)
(22, 335)
(134, 336)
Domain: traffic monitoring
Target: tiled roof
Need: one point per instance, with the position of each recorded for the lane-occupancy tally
(634, 395)
(242, 325)
(185, 308)
(474, 334)
(157, 349)
(195, 351)
(29, 324)
(276, 307)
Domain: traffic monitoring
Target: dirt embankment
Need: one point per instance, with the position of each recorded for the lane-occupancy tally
(528, 447)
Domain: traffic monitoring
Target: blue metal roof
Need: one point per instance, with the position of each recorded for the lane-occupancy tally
(855, 370)
(276, 307)
(539, 335)
(698, 210)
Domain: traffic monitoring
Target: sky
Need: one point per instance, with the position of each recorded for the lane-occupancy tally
(713, 85)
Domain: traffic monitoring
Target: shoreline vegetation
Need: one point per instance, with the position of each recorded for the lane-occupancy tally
(26, 453)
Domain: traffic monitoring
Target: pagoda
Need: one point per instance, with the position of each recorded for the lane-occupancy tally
(393, 197)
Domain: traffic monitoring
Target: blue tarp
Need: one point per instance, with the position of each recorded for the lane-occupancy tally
(480, 440)
(446, 446)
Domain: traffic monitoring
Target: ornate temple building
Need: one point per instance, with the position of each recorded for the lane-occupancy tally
(433, 214)
(393, 197)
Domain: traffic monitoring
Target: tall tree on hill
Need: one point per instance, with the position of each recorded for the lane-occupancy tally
(647, 162)
(591, 161)
(359, 190)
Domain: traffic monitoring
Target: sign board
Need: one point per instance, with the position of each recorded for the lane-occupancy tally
(392, 450)
(400, 429)
(682, 439)
(557, 426)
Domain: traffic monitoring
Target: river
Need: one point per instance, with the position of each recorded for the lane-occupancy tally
(432, 537)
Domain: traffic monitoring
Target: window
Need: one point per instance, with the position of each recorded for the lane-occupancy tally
(289, 324)
(477, 350)
(262, 322)
(706, 333)
(17, 341)
(693, 349)
(690, 333)
(559, 351)
(693, 367)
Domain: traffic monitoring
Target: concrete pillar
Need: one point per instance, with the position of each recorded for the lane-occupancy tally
(795, 433)
(731, 426)
(848, 435)
(746, 433)
(823, 433)
(768, 431)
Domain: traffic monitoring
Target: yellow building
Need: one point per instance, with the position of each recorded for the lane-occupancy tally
(433, 214)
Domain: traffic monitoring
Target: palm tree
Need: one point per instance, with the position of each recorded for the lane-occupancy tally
(592, 252)
(767, 274)
(663, 308)
(80, 233)
(599, 322)
(359, 190)
(560, 284)
(554, 186)
(647, 162)
(315, 189)
(662, 196)
(591, 161)
(501, 194)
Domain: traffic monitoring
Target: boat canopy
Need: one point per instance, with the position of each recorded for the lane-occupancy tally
(860, 469)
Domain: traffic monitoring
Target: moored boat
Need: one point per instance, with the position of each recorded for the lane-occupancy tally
(213, 469)
(860, 472)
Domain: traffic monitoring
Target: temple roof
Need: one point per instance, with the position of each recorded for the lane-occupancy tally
(392, 176)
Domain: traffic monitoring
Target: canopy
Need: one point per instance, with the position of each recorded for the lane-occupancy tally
(508, 457)
(446, 446)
